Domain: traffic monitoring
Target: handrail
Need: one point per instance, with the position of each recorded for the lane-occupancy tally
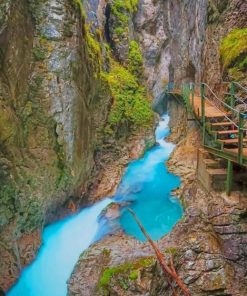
(222, 102)
(236, 83)
(238, 98)
(207, 94)
(228, 106)
(229, 119)
(232, 92)
(239, 85)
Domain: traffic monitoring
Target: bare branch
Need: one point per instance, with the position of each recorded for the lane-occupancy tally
(166, 269)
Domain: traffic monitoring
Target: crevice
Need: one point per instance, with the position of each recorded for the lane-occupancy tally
(107, 24)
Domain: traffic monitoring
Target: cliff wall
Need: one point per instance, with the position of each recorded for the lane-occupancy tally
(62, 121)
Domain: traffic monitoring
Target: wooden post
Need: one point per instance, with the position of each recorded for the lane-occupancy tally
(229, 177)
(193, 97)
(232, 92)
(203, 119)
(240, 138)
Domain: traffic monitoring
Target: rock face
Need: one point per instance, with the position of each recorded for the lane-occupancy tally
(208, 244)
(172, 36)
(208, 248)
(51, 106)
(223, 17)
(181, 39)
(54, 106)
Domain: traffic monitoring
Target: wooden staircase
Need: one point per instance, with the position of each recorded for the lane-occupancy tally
(212, 172)
(224, 129)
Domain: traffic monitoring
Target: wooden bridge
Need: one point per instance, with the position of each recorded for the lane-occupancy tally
(223, 125)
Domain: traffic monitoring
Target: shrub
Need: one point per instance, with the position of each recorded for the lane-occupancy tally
(122, 9)
(39, 54)
(234, 47)
(135, 59)
(130, 104)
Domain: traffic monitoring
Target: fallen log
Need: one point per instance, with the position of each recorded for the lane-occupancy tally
(166, 269)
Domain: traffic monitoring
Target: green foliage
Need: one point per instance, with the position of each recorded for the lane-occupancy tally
(30, 215)
(123, 273)
(8, 195)
(78, 4)
(233, 48)
(130, 106)
(93, 46)
(172, 250)
(121, 9)
(39, 54)
(119, 6)
(135, 59)
(133, 275)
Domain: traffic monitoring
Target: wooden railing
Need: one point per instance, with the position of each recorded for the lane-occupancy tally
(230, 114)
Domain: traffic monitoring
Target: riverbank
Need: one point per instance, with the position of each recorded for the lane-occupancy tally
(208, 243)
(65, 240)
(99, 187)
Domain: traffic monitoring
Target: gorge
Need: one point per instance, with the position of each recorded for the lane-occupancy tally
(77, 81)
(68, 238)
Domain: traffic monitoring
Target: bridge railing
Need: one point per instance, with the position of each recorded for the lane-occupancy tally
(237, 94)
(229, 112)
(232, 115)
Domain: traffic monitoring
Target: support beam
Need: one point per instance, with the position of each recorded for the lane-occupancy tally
(203, 119)
(229, 177)
(232, 92)
(240, 139)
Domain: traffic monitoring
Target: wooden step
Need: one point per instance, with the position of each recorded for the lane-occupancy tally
(226, 132)
(224, 123)
(235, 151)
(211, 164)
(214, 114)
(217, 172)
(232, 141)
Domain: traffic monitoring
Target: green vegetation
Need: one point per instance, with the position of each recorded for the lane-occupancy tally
(8, 195)
(78, 4)
(233, 51)
(121, 9)
(123, 273)
(233, 46)
(133, 275)
(39, 54)
(130, 106)
(94, 48)
(172, 250)
(135, 59)
(30, 215)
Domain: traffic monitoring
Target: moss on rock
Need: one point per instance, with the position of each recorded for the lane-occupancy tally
(135, 59)
(123, 275)
(233, 50)
(130, 104)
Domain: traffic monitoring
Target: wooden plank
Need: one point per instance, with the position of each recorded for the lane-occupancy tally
(210, 110)
(218, 172)
(224, 123)
(227, 132)
(235, 151)
(232, 141)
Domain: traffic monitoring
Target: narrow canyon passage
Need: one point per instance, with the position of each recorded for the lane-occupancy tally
(146, 185)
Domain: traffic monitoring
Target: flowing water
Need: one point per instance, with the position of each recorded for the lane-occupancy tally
(146, 185)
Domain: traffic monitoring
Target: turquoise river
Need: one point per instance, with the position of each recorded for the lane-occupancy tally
(147, 184)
